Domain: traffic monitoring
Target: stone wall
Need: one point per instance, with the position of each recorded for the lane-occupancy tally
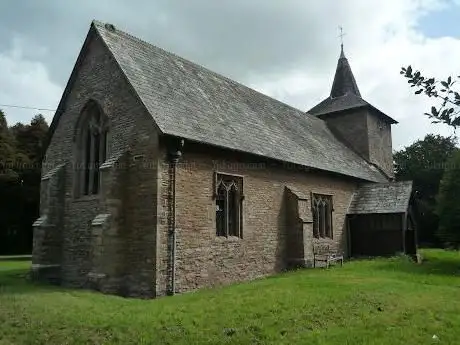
(132, 130)
(380, 143)
(140, 211)
(298, 217)
(47, 242)
(106, 230)
(364, 131)
(351, 128)
(205, 260)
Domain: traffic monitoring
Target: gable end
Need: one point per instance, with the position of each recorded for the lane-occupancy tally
(92, 34)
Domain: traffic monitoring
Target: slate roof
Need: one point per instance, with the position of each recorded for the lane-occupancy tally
(344, 94)
(344, 80)
(335, 104)
(391, 197)
(189, 101)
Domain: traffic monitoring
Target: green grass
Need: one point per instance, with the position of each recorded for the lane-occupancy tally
(382, 301)
(15, 257)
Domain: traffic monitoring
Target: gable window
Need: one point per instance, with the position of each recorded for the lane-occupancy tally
(92, 144)
(229, 197)
(322, 215)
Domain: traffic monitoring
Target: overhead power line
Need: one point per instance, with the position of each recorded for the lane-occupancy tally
(25, 107)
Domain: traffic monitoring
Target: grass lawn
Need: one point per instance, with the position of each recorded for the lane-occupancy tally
(382, 301)
(15, 257)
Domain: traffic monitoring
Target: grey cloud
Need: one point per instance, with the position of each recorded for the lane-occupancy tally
(252, 41)
(237, 38)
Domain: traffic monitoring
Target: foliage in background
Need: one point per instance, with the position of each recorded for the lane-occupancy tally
(448, 205)
(444, 91)
(21, 149)
(8, 154)
(424, 163)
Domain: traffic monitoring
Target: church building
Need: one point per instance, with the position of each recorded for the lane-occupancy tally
(161, 176)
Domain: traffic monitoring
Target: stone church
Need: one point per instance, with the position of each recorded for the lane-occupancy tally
(161, 176)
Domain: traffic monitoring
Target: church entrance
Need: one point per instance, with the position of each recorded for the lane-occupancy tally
(376, 234)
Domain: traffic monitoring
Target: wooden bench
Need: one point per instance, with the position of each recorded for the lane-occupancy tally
(324, 253)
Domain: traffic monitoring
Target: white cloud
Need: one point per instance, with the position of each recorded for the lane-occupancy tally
(287, 49)
(377, 47)
(25, 82)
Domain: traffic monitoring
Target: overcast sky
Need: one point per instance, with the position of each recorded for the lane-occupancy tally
(287, 49)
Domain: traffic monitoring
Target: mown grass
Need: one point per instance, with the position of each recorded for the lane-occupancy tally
(381, 301)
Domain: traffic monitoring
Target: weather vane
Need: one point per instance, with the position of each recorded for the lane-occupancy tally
(341, 38)
(341, 35)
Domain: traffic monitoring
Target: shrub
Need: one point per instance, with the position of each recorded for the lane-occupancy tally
(448, 203)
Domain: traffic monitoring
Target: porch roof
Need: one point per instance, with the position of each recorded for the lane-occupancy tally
(391, 197)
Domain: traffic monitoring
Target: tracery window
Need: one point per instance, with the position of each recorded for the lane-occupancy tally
(322, 215)
(92, 148)
(229, 196)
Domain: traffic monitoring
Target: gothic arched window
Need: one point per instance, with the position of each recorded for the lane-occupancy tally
(229, 196)
(322, 215)
(92, 148)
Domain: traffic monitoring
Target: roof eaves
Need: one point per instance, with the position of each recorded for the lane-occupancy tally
(338, 110)
(356, 177)
(381, 113)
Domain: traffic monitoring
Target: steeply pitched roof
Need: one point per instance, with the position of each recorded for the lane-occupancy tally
(194, 103)
(391, 197)
(344, 80)
(345, 94)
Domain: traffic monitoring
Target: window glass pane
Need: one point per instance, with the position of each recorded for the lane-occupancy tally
(322, 220)
(96, 116)
(233, 212)
(86, 165)
(220, 211)
(316, 220)
(328, 220)
(97, 142)
(104, 147)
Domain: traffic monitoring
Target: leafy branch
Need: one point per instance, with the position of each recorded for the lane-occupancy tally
(448, 111)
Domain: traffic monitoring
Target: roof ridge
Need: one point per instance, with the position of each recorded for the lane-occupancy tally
(101, 25)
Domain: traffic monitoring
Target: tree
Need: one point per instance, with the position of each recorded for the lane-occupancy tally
(424, 163)
(20, 167)
(444, 91)
(30, 138)
(7, 151)
(448, 208)
(29, 142)
(8, 182)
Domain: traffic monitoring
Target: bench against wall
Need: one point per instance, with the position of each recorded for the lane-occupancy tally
(324, 253)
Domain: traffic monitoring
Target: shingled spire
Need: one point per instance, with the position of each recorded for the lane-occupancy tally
(344, 81)
(357, 123)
